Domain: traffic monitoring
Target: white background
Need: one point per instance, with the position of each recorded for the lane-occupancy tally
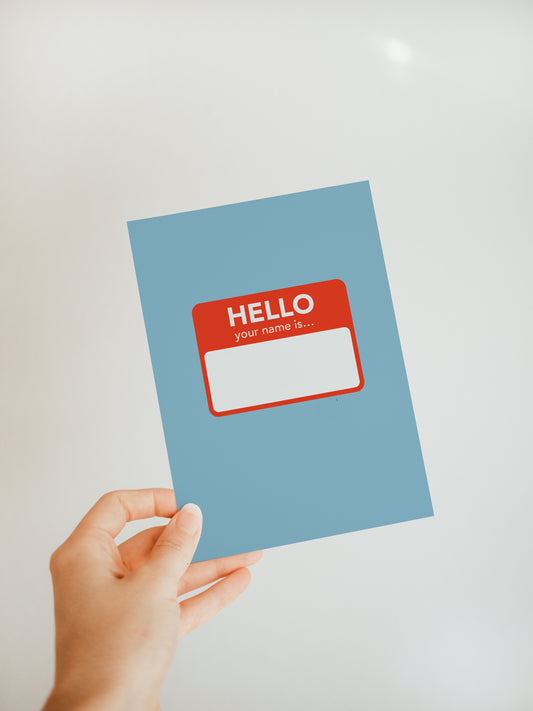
(114, 111)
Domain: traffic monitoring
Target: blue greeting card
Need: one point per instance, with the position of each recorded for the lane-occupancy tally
(278, 367)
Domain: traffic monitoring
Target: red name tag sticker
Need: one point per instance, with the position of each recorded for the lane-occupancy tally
(277, 347)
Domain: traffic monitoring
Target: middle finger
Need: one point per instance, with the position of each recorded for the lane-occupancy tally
(207, 571)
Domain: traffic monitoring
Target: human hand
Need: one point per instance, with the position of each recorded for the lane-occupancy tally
(117, 616)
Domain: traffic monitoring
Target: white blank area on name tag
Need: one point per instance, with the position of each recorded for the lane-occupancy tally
(281, 369)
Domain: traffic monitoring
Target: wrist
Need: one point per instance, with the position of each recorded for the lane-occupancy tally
(70, 697)
(63, 697)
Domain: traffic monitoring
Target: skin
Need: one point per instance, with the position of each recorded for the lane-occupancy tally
(117, 615)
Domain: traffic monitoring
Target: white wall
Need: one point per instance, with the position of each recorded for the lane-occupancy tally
(114, 111)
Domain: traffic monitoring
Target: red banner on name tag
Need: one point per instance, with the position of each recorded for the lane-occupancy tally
(276, 347)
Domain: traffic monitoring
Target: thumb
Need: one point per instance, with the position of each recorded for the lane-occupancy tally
(175, 547)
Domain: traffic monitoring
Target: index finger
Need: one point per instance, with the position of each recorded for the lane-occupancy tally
(114, 509)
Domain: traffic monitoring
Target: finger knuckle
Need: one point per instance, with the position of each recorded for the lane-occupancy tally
(172, 545)
(59, 559)
(110, 496)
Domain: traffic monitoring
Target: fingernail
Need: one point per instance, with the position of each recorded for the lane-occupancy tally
(189, 519)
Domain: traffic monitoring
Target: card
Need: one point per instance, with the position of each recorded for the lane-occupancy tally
(279, 372)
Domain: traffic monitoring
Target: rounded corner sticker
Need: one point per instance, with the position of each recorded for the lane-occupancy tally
(277, 347)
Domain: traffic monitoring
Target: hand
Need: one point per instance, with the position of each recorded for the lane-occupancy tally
(117, 615)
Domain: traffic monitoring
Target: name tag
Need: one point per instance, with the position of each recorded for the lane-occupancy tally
(277, 347)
